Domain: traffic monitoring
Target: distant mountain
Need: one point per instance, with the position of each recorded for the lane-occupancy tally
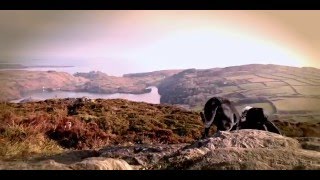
(47, 66)
(20, 66)
(11, 66)
(164, 73)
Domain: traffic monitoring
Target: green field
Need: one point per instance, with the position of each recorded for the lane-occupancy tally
(294, 82)
(276, 91)
(307, 81)
(249, 86)
(250, 77)
(298, 104)
(271, 76)
(229, 88)
(308, 90)
(275, 84)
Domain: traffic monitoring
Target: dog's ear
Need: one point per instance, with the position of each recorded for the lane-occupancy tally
(202, 117)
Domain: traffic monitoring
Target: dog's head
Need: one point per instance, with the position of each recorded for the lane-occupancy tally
(220, 112)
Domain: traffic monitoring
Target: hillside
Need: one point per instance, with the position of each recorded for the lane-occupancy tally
(289, 92)
(18, 82)
(155, 74)
(40, 128)
(286, 93)
(129, 83)
(14, 83)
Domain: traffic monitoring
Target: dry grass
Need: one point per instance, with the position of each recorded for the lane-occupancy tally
(25, 149)
(20, 141)
(298, 129)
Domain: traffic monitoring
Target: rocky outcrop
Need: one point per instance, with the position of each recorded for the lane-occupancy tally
(100, 163)
(93, 163)
(141, 155)
(42, 165)
(237, 150)
(243, 150)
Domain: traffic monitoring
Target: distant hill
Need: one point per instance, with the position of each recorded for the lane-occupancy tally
(129, 83)
(14, 83)
(11, 66)
(18, 82)
(21, 66)
(290, 91)
(164, 73)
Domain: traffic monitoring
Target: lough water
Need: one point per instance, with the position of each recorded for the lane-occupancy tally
(151, 97)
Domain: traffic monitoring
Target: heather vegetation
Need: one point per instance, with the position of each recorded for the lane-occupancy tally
(41, 128)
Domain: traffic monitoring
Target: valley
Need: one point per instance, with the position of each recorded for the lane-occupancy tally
(284, 92)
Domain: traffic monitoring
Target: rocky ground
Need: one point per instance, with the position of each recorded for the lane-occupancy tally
(238, 150)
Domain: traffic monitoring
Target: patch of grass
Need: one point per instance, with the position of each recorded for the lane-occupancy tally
(298, 104)
(229, 88)
(275, 84)
(293, 82)
(250, 86)
(267, 92)
(250, 77)
(308, 90)
(298, 129)
(36, 146)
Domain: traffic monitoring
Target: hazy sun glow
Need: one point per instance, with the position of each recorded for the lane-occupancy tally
(120, 42)
(208, 47)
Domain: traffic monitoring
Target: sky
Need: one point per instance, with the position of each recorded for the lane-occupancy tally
(119, 41)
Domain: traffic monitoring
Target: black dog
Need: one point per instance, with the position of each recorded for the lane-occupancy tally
(254, 118)
(220, 112)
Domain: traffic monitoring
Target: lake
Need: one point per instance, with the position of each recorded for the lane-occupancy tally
(151, 97)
